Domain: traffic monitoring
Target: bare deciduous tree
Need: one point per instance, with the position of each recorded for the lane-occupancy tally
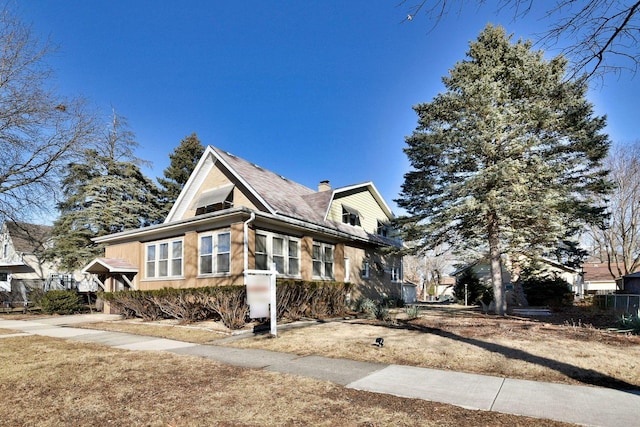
(617, 241)
(39, 130)
(601, 35)
(427, 268)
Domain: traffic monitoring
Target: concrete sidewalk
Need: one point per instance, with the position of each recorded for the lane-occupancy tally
(592, 406)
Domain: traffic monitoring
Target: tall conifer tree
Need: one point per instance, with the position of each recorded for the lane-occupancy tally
(184, 159)
(508, 158)
(104, 193)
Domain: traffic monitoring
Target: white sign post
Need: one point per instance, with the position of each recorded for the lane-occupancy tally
(261, 295)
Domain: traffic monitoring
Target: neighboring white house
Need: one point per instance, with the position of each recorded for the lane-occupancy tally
(22, 264)
(482, 270)
(22, 267)
(598, 278)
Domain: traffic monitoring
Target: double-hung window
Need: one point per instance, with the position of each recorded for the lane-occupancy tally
(164, 259)
(323, 260)
(396, 274)
(350, 215)
(215, 253)
(365, 271)
(283, 251)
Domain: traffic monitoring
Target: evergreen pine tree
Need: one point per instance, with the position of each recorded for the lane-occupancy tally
(184, 159)
(508, 158)
(105, 193)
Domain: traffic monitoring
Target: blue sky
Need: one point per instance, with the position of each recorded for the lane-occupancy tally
(312, 90)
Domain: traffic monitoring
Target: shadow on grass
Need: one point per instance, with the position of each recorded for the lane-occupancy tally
(585, 376)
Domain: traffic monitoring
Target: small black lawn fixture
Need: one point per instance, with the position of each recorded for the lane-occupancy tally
(379, 342)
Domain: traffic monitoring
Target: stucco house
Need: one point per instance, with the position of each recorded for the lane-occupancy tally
(233, 215)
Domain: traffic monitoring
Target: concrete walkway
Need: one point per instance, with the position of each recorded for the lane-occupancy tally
(592, 406)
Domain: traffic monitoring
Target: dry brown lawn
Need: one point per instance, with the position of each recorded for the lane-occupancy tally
(55, 382)
(573, 346)
(566, 348)
(200, 333)
(52, 382)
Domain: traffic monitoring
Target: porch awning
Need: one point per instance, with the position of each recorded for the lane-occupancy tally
(215, 196)
(352, 211)
(109, 265)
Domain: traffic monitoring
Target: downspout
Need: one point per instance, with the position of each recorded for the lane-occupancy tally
(246, 244)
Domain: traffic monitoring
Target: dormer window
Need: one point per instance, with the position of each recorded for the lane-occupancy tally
(350, 215)
(383, 229)
(215, 200)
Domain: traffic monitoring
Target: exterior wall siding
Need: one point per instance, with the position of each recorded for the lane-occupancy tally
(379, 281)
(365, 203)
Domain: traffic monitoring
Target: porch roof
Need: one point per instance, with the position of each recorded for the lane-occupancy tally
(109, 265)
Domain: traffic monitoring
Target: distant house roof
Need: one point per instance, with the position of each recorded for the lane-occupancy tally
(599, 271)
(28, 238)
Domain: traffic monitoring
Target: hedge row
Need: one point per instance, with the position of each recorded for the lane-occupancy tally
(295, 299)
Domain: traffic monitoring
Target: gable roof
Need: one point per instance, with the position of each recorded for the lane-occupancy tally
(599, 271)
(110, 265)
(368, 186)
(28, 238)
(275, 194)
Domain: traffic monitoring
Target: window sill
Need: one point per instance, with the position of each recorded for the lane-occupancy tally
(212, 275)
(161, 279)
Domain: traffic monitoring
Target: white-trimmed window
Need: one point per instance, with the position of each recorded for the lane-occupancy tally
(164, 259)
(281, 250)
(383, 229)
(215, 253)
(396, 274)
(350, 216)
(365, 270)
(323, 260)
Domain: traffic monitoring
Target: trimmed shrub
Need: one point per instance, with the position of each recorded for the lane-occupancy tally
(228, 303)
(295, 299)
(316, 299)
(549, 290)
(60, 302)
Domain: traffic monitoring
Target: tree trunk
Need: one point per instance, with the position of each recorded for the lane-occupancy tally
(496, 265)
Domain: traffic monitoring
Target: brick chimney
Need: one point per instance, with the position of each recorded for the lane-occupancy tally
(324, 186)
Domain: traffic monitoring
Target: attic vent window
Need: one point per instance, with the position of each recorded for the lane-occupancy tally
(215, 200)
(350, 215)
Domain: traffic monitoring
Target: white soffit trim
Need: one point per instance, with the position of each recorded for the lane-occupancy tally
(352, 211)
(200, 172)
(372, 189)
